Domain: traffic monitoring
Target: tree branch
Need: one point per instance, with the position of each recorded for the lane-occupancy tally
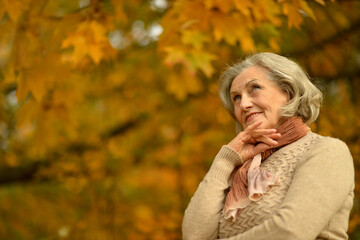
(23, 173)
(27, 172)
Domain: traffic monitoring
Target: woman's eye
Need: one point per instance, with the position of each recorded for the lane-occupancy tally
(256, 87)
(237, 98)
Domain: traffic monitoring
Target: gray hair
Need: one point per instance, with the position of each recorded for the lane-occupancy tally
(305, 97)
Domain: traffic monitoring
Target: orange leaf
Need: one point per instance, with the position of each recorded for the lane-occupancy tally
(223, 27)
(89, 40)
(293, 14)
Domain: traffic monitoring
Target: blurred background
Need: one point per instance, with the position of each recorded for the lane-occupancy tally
(109, 112)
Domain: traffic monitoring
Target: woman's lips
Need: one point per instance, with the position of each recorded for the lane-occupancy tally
(252, 116)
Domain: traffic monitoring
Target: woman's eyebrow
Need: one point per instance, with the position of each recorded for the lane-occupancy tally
(246, 85)
(233, 92)
(251, 81)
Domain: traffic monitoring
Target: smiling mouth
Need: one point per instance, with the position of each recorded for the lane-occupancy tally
(252, 116)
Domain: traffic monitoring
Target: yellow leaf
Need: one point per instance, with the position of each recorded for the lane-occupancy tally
(267, 11)
(174, 55)
(98, 31)
(247, 43)
(89, 40)
(307, 9)
(244, 6)
(223, 27)
(95, 52)
(183, 83)
(200, 59)
(194, 38)
(293, 14)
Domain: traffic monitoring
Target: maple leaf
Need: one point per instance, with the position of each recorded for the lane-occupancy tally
(222, 29)
(174, 55)
(183, 83)
(199, 59)
(89, 40)
(293, 14)
(194, 38)
(244, 6)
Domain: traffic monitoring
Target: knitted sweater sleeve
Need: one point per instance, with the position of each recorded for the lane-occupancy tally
(322, 181)
(201, 219)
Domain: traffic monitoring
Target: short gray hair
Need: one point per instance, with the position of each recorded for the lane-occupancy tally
(305, 98)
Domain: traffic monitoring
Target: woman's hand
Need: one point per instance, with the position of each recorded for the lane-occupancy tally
(254, 140)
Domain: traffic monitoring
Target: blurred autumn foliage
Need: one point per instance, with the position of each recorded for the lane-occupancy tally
(109, 114)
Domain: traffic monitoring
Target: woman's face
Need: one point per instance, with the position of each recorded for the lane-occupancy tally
(257, 98)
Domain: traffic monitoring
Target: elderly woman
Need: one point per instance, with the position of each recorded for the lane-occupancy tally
(276, 179)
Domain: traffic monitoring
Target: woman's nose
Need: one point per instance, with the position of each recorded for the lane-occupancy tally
(245, 104)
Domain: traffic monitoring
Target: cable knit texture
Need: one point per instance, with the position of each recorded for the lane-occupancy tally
(312, 200)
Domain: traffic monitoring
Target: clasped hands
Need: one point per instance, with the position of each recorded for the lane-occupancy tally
(254, 140)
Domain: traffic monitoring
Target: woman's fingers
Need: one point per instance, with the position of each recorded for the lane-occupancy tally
(252, 126)
(267, 140)
(255, 138)
(271, 133)
(264, 135)
(255, 132)
(275, 136)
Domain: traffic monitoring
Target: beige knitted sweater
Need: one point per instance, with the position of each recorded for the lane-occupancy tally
(312, 201)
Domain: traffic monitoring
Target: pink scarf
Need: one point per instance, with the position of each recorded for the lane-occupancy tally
(250, 181)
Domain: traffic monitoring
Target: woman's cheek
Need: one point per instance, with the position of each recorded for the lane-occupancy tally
(238, 115)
